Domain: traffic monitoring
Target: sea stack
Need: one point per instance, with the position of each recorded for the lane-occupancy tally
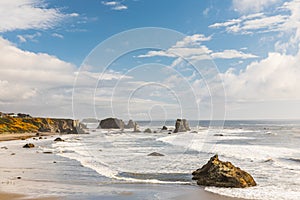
(136, 128)
(181, 125)
(111, 123)
(130, 124)
(222, 174)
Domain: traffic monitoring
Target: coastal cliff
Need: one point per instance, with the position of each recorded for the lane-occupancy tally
(22, 124)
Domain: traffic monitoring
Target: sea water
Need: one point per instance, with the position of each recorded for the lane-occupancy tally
(268, 150)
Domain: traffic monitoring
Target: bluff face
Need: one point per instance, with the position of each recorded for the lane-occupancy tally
(18, 124)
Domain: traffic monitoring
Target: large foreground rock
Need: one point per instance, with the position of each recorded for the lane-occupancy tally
(181, 125)
(111, 123)
(222, 174)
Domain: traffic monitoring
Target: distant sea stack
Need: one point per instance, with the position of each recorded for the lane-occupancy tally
(130, 124)
(111, 123)
(181, 125)
(21, 123)
(222, 174)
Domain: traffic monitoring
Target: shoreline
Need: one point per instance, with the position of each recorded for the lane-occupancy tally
(114, 190)
(192, 193)
(23, 136)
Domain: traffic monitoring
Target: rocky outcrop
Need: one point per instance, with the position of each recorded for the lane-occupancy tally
(111, 123)
(181, 125)
(130, 124)
(164, 128)
(24, 124)
(147, 130)
(222, 174)
(68, 126)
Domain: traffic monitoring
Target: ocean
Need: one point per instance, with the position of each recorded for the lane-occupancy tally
(268, 150)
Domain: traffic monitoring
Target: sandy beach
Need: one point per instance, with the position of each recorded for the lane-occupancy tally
(12, 196)
(42, 175)
(23, 136)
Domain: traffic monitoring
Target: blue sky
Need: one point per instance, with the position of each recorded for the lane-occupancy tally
(48, 48)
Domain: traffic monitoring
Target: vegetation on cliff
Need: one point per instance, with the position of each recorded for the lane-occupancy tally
(10, 124)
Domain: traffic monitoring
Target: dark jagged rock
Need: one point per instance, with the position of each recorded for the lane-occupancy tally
(181, 125)
(111, 123)
(130, 124)
(147, 130)
(164, 128)
(28, 145)
(58, 140)
(155, 154)
(222, 174)
(218, 134)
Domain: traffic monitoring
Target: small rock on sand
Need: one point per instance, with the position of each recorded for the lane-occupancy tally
(28, 145)
(155, 154)
(58, 140)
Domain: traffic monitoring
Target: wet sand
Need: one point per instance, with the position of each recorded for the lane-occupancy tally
(11, 196)
(22, 136)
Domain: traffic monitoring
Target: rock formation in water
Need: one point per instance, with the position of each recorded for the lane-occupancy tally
(181, 125)
(147, 130)
(222, 174)
(111, 123)
(164, 128)
(136, 128)
(130, 124)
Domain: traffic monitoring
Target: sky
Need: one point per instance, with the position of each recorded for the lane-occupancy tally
(151, 59)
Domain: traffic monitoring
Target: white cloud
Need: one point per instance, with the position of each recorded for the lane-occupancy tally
(192, 40)
(28, 14)
(156, 53)
(120, 7)
(109, 3)
(253, 23)
(115, 5)
(34, 69)
(191, 48)
(57, 35)
(232, 53)
(21, 38)
(273, 78)
(248, 6)
(206, 11)
(30, 37)
(187, 47)
(40, 83)
(284, 19)
(74, 15)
